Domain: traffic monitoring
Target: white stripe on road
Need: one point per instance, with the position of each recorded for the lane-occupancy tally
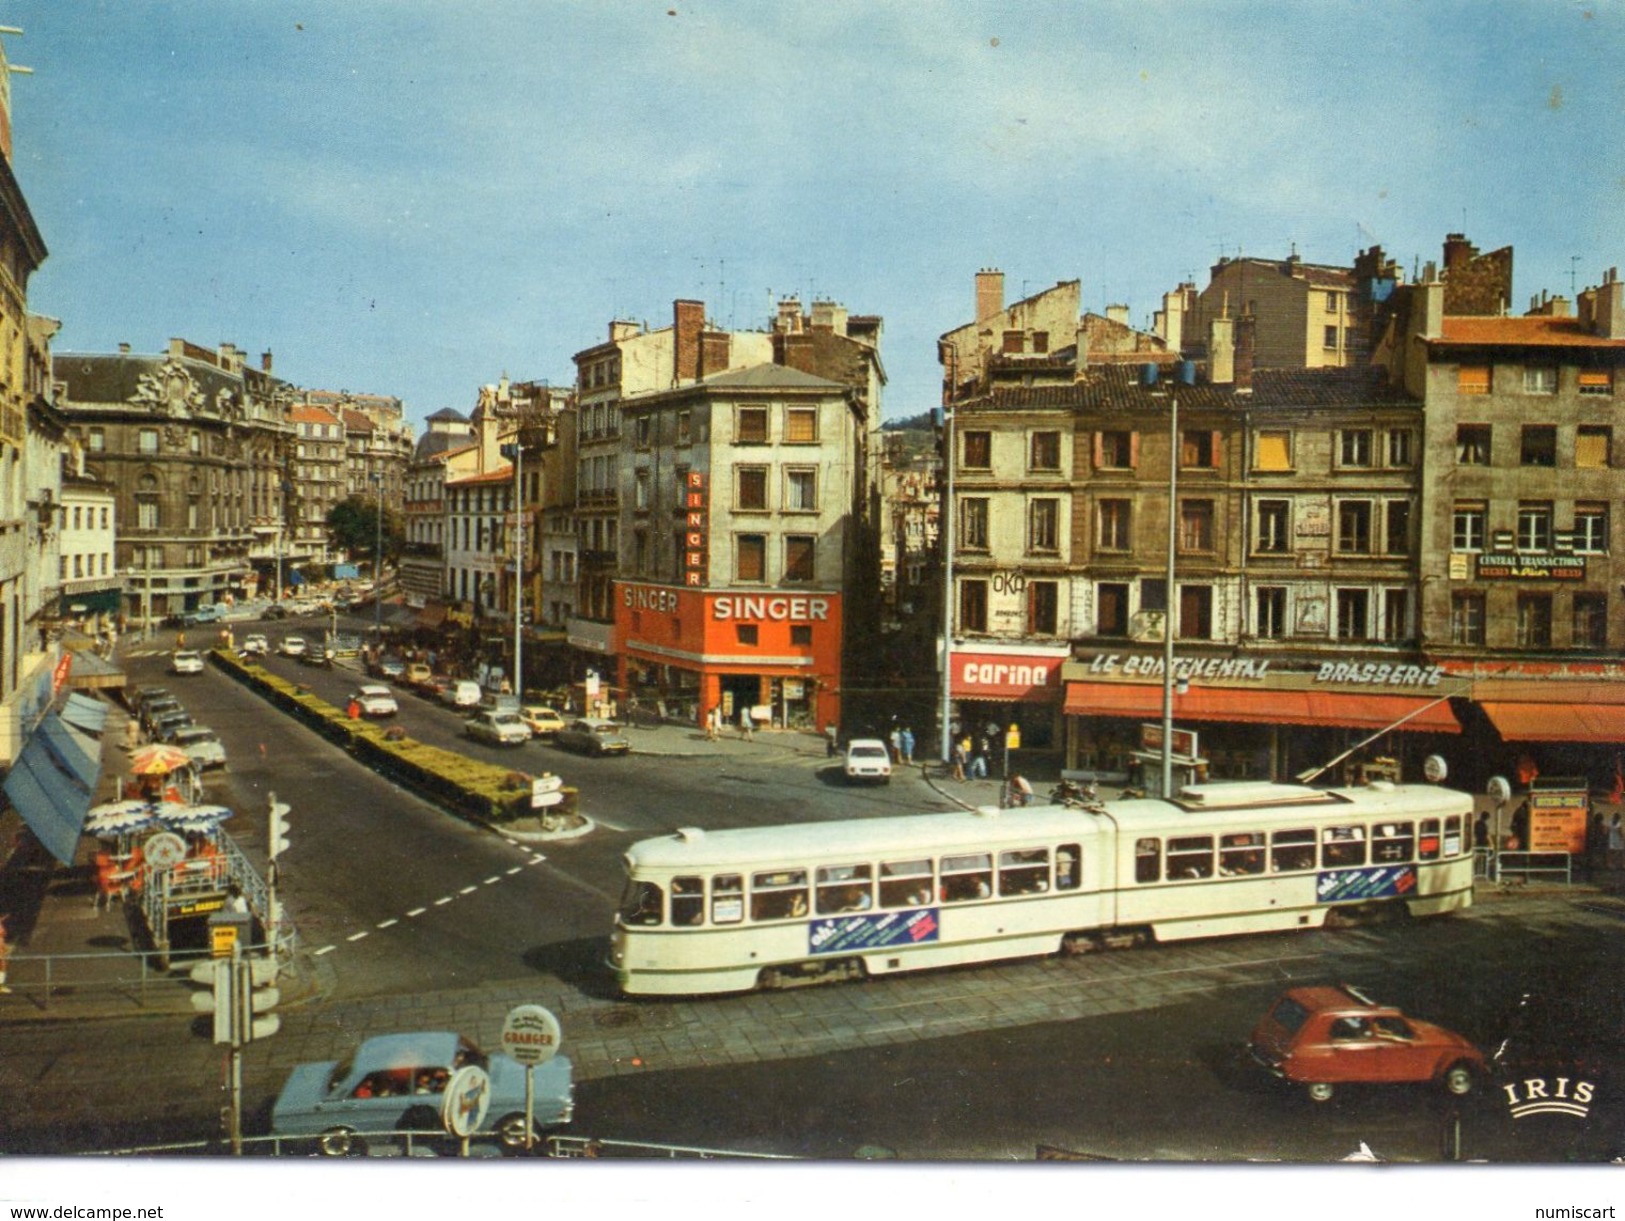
(443, 902)
(358, 936)
(515, 870)
(326, 949)
(417, 911)
(536, 860)
(492, 880)
(387, 923)
(468, 890)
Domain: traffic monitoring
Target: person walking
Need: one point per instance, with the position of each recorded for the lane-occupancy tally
(1616, 844)
(905, 739)
(978, 763)
(895, 740)
(712, 720)
(831, 741)
(957, 758)
(744, 724)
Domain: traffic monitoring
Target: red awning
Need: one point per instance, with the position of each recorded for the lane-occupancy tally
(1266, 707)
(431, 616)
(1557, 722)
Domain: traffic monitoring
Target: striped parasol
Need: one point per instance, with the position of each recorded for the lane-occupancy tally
(177, 817)
(118, 818)
(158, 760)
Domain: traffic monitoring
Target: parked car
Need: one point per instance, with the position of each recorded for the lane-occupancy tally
(868, 759)
(417, 673)
(201, 744)
(498, 728)
(544, 722)
(461, 693)
(255, 645)
(187, 661)
(304, 606)
(496, 701)
(293, 646)
(275, 611)
(1325, 1037)
(397, 1081)
(152, 709)
(593, 736)
(391, 669)
(375, 699)
(212, 613)
(168, 723)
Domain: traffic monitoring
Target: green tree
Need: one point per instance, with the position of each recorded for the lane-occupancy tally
(352, 527)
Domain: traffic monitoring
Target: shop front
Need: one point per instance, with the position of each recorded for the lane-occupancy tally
(1558, 718)
(776, 657)
(997, 686)
(1260, 718)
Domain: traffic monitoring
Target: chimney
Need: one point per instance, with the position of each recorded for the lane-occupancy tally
(716, 350)
(1246, 333)
(1172, 327)
(1458, 251)
(177, 347)
(828, 316)
(1117, 314)
(688, 320)
(989, 293)
(789, 319)
(1080, 361)
(124, 349)
(620, 329)
(265, 362)
(1428, 320)
(1221, 350)
(1610, 307)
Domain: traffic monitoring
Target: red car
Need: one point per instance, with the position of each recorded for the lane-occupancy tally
(1324, 1037)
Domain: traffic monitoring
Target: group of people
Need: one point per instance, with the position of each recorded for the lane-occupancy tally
(969, 759)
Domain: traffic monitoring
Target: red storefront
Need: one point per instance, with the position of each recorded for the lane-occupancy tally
(1011, 685)
(686, 651)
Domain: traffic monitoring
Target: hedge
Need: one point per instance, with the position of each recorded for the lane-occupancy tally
(471, 788)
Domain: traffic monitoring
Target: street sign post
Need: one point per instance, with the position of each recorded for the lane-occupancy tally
(466, 1101)
(531, 1035)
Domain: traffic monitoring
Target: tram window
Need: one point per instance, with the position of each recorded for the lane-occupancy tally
(727, 898)
(1147, 860)
(1241, 852)
(844, 888)
(1454, 845)
(1024, 871)
(1427, 847)
(642, 903)
(781, 895)
(905, 883)
(1340, 846)
(1068, 875)
(1190, 856)
(688, 900)
(1392, 841)
(967, 877)
(1291, 851)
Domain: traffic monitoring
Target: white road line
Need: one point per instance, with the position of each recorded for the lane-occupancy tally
(492, 880)
(468, 890)
(417, 911)
(387, 923)
(536, 860)
(443, 902)
(358, 936)
(326, 949)
(515, 870)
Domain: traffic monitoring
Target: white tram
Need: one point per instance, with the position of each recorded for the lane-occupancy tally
(728, 911)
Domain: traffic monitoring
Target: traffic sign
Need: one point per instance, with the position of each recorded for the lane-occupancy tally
(531, 1035)
(547, 782)
(540, 801)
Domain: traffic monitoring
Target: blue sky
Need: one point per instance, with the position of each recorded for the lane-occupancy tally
(412, 197)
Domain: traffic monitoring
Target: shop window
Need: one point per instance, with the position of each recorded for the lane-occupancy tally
(973, 606)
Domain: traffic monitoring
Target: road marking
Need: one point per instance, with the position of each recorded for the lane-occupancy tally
(417, 911)
(358, 936)
(536, 860)
(326, 949)
(493, 880)
(443, 902)
(515, 869)
(387, 923)
(468, 890)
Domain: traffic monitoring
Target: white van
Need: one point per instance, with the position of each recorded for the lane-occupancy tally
(462, 693)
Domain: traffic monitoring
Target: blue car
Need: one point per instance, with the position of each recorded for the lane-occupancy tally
(395, 1082)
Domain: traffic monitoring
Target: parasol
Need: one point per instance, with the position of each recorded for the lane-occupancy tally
(117, 817)
(158, 760)
(177, 817)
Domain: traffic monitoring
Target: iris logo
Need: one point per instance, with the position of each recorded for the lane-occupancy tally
(1554, 1096)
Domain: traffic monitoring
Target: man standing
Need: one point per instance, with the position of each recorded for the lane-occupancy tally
(905, 740)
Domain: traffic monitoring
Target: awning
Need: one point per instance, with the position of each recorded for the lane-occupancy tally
(51, 784)
(86, 714)
(1265, 707)
(431, 616)
(90, 672)
(1557, 722)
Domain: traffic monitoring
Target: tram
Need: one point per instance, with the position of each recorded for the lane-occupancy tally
(707, 912)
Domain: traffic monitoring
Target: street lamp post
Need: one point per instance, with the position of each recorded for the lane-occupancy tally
(516, 452)
(1168, 611)
(945, 529)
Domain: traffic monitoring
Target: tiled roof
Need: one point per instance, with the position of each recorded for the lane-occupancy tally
(355, 421)
(1118, 388)
(1540, 331)
(94, 378)
(770, 377)
(313, 415)
(451, 414)
(503, 474)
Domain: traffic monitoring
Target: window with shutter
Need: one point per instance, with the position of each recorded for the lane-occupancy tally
(1473, 379)
(1273, 452)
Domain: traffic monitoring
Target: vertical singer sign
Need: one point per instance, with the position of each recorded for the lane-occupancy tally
(694, 528)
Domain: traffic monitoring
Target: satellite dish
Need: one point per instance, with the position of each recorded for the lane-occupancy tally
(1434, 769)
(1498, 789)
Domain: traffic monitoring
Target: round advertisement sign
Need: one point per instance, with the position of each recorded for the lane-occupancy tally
(164, 850)
(467, 1099)
(531, 1035)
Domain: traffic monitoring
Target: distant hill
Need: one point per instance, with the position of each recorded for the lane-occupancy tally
(922, 423)
(917, 434)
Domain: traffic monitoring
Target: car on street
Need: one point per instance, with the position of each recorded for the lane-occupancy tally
(461, 693)
(1325, 1037)
(304, 606)
(187, 661)
(391, 669)
(211, 613)
(164, 726)
(275, 611)
(417, 673)
(375, 699)
(201, 745)
(544, 722)
(867, 759)
(255, 645)
(397, 1082)
(593, 736)
(293, 646)
(498, 728)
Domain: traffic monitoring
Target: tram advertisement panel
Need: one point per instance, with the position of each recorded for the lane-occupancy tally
(845, 934)
(1378, 882)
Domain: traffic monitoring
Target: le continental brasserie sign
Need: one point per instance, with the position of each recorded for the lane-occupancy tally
(1148, 665)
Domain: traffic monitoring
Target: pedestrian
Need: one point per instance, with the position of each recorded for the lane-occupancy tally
(1481, 832)
(1616, 844)
(895, 739)
(5, 953)
(712, 719)
(353, 710)
(1021, 792)
(905, 739)
(957, 758)
(180, 640)
(831, 740)
(744, 724)
(978, 763)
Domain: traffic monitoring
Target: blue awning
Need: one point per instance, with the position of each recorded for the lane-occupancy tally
(51, 785)
(85, 713)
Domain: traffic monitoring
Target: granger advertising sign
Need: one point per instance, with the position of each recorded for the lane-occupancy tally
(847, 934)
(1381, 882)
